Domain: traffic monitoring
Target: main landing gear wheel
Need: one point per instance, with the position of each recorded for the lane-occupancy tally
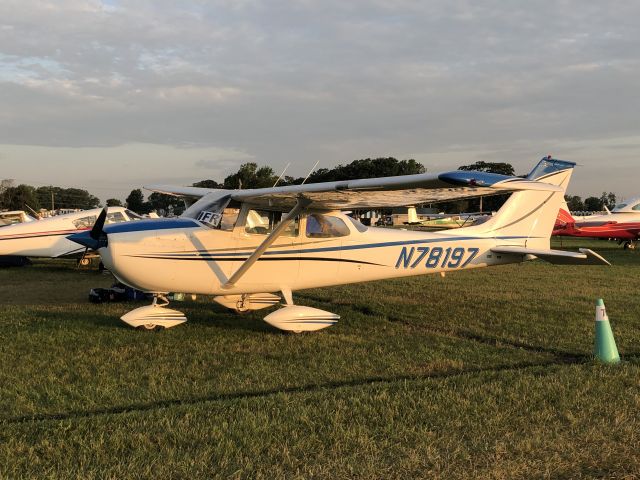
(149, 326)
(243, 305)
(629, 245)
(84, 261)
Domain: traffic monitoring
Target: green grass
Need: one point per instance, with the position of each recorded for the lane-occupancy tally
(484, 374)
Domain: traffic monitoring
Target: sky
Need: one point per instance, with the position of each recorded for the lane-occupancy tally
(113, 95)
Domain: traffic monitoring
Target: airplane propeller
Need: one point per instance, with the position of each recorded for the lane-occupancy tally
(96, 230)
(95, 238)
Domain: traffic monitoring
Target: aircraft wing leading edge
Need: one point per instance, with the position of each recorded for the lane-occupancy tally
(373, 192)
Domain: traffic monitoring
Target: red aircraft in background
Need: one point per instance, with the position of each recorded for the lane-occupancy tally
(621, 224)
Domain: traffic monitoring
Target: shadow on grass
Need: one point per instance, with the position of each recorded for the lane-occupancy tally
(200, 314)
(539, 368)
(456, 333)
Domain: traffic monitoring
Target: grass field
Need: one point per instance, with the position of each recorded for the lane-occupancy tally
(483, 374)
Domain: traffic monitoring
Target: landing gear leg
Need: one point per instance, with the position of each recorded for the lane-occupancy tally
(243, 305)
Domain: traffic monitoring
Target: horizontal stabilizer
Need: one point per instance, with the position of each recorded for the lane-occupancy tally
(558, 257)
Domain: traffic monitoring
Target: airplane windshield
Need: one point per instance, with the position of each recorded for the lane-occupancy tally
(115, 217)
(85, 222)
(620, 206)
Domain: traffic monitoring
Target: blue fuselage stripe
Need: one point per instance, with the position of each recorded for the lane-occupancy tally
(339, 248)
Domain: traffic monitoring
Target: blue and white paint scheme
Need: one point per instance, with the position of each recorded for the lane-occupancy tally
(241, 245)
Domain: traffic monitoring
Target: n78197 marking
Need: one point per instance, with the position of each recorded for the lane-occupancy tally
(436, 257)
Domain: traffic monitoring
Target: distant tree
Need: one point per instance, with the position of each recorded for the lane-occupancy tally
(66, 198)
(575, 203)
(208, 184)
(365, 168)
(488, 203)
(593, 204)
(6, 183)
(18, 198)
(491, 167)
(608, 200)
(161, 202)
(113, 202)
(135, 201)
(250, 176)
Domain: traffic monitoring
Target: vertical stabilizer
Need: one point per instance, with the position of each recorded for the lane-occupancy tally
(528, 217)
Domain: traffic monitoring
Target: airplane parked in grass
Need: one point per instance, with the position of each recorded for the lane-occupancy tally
(14, 216)
(444, 220)
(48, 237)
(248, 246)
(621, 224)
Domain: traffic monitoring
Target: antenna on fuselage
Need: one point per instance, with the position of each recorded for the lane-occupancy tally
(310, 172)
(282, 174)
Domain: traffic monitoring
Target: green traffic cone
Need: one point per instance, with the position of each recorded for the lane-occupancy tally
(605, 348)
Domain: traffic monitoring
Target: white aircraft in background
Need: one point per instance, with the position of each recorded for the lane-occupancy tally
(444, 220)
(246, 246)
(48, 237)
(15, 216)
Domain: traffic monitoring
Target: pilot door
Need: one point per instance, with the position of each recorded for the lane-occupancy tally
(277, 267)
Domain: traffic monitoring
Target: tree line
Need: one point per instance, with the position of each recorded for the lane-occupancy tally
(250, 175)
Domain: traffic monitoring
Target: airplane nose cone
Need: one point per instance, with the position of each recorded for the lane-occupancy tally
(86, 240)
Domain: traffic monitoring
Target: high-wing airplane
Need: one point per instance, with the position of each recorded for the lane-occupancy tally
(622, 224)
(247, 246)
(48, 237)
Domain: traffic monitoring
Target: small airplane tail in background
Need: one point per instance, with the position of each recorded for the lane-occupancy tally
(528, 216)
(564, 221)
(412, 216)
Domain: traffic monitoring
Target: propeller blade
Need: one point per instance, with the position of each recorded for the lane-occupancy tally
(98, 226)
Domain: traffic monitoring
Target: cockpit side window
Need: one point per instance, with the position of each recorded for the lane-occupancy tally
(263, 222)
(325, 226)
(636, 207)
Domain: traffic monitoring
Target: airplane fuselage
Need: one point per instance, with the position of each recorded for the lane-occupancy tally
(187, 257)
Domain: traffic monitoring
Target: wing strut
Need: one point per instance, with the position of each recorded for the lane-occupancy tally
(301, 204)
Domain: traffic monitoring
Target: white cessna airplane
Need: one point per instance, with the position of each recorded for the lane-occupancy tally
(246, 246)
(48, 237)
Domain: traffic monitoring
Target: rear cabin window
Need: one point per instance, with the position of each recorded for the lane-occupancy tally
(263, 222)
(325, 226)
(356, 223)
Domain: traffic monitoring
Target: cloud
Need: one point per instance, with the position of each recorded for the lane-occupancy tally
(332, 80)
